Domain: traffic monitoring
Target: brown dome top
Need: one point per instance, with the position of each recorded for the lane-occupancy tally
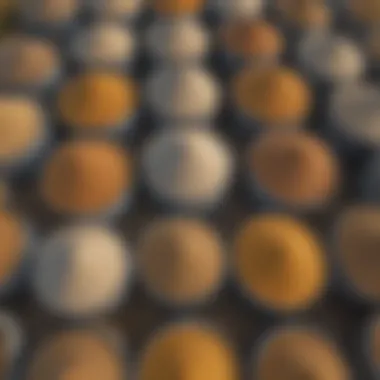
(255, 38)
(75, 355)
(373, 44)
(7, 9)
(96, 100)
(296, 168)
(299, 354)
(358, 249)
(275, 95)
(13, 240)
(48, 12)
(27, 60)
(4, 193)
(365, 11)
(177, 7)
(374, 341)
(86, 176)
(307, 13)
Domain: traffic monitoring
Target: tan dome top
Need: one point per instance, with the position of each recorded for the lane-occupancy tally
(22, 127)
(181, 260)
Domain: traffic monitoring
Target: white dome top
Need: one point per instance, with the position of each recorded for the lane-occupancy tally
(332, 58)
(237, 8)
(81, 270)
(355, 110)
(177, 39)
(116, 8)
(104, 43)
(187, 165)
(180, 93)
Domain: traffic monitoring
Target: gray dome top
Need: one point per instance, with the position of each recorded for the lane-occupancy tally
(187, 165)
(183, 93)
(331, 58)
(177, 39)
